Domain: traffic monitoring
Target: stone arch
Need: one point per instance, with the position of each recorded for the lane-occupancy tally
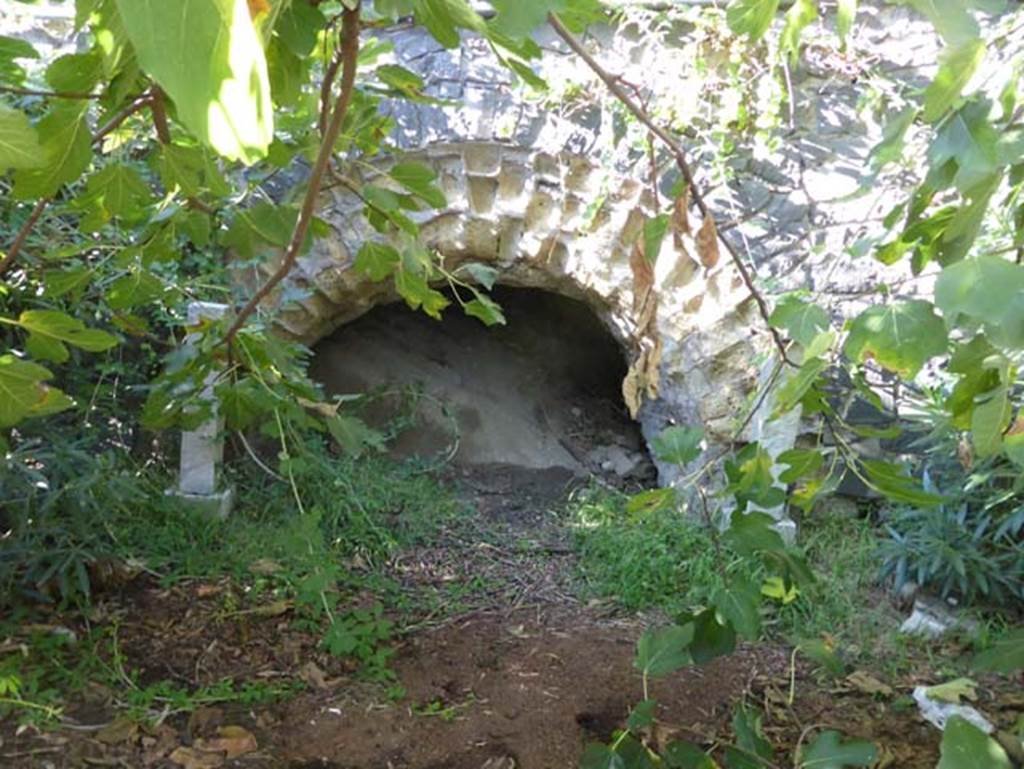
(554, 221)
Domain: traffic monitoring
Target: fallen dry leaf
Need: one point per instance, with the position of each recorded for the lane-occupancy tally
(953, 691)
(311, 674)
(205, 591)
(205, 719)
(118, 731)
(233, 741)
(264, 567)
(867, 683)
(273, 609)
(192, 758)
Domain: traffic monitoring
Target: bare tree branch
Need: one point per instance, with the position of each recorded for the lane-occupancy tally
(349, 56)
(22, 236)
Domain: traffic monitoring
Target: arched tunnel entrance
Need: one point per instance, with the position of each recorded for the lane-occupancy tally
(541, 392)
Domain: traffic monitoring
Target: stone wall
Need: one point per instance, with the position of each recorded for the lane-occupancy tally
(693, 344)
(524, 177)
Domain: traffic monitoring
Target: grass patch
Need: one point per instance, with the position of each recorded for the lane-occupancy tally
(665, 560)
(74, 510)
(651, 560)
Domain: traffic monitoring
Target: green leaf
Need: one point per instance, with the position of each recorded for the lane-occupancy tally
(988, 291)
(957, 67)
(751, 17)
(712, 637)
(663, 650)
(444, 18)
(242, 403)
(797, 385)
(61, 282)
(598, 756)
(376, 260)
(968, 138)
(890, 148)
(19, 143)
(1006, 655)
(298, 26)
(75, 72)
(483, 274)
(654, 233)
(678, 445)
(680, 754)
(416, 292)
(845, 14)
(49, 330)
(802, 320)
(777, 589)
(119, 190)
(207, 56)
(989, 419)
(751, 479)
(950, 18)
(23, 392)
(739, 602)
(485, 309)
(801, 462)
(641, 715)
(12, 48)
(518, 18)
(190, 170)
(419, 180)
(802, 13)
(354, 435)
(752, 533)
(900, 337)
(892, 481)
(746, 724)
(67, 150)
(965, 746)
(651, 501)
(829, 751)
(137, 287)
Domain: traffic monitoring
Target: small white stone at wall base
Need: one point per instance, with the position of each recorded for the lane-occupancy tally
(931, 619)
(217, 504)
(937, 712)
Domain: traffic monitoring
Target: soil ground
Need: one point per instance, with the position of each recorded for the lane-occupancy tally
(521, 675)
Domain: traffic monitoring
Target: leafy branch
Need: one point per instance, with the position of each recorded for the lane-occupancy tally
(349, 55)
(614, 84)
(37, 210)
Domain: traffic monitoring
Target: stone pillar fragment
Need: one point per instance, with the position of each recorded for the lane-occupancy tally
(202, 449)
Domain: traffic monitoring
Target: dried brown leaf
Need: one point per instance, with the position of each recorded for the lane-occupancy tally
(118, 731)
(680, 213)
(643, 275)
(233, 741)
(193, 758)
(707, 242)
(867, 683)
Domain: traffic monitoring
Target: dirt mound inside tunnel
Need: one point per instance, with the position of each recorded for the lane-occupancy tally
(542, 391)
